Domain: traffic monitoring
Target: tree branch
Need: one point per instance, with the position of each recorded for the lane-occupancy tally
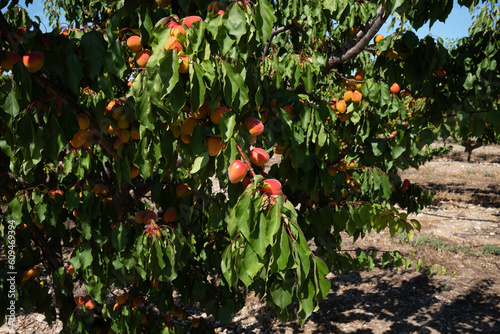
(358, 43)
(273, 34)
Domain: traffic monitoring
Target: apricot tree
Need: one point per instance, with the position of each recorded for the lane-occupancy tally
(201, 149)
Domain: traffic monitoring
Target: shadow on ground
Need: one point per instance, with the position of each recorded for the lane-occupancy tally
(397, 304)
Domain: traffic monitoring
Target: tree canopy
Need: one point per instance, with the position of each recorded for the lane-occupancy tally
(204, 149)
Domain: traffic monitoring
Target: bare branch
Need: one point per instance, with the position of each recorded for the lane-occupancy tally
(273, 34)
(358, 43)
(345, 78)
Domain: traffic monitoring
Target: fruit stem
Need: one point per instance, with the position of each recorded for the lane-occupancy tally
(245, 159)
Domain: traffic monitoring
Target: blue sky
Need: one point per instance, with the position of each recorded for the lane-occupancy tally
(456, 25)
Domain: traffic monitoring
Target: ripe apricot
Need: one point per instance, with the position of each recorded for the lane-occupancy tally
(214, 145)
(237, 171)
(142, 57)
(254, 126)
(134, 44)
(259, 157)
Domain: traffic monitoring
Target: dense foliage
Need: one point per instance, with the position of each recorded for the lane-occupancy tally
(130, 136)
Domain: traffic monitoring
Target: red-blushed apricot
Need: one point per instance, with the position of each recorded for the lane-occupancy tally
(172, 23)
(117, 144)
(332, 171)
(139, 216)
(440, 73)
(348, 96)
(188, 125)
(134, 172)
(360, 75)
(297, 23)
(259, 156)
(215, 145)
(246, 182)
(341, 166)
(122, 298)
(170, 215)
(289, 110)
(33, 272)
(177, 30)
(272, 187)
(80, 300)
(395, 88)
(9, 60)
(213, 7)
(173, 44)
(163, 3)
(254, 126)
(237, 171)
(110, 106)
(184, 66)
(79, 139)
(406, 185)
(202, 111)
(71, 269)
(142, 57)
(150, 217)
(357, 96)
(182, 190)
(26, 277)
(155, 283)
(216, 116)
(90, 304)
(138, 301)
(341, 106)
(34, 61)
(134, 44)
(189, 20)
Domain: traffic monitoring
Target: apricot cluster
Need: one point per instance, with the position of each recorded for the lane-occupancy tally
(351, 95)
(344, 167)
(119, 124)
(80, 139)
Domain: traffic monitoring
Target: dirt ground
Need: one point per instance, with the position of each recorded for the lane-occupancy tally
(458, 229)
(464, 217)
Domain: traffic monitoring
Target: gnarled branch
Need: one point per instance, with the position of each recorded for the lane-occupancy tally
(358, 43)
(274, 32)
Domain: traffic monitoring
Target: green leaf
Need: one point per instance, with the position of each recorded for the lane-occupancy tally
(119, 237)
(251, 262)
(10, 105)
(281, 297)
(234, 86)
(197, 91)
(273, 223)
(469, 81)
(264, 16)
(200, 162)
(227, 125)
(235, 21)
(93, 50)
(115, 60)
